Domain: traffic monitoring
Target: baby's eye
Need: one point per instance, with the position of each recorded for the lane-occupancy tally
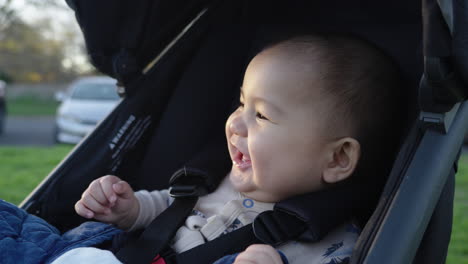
(260, 116)
(241, 105)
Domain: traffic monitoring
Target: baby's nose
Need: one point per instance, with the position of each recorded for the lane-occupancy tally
(237, 126)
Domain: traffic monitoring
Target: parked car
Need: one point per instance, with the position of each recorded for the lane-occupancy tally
(2, 106)
(87, 101)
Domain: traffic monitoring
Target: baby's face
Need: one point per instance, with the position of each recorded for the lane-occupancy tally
(277, 137)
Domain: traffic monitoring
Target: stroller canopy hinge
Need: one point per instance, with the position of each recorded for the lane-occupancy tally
(439, 121)
(440, 92)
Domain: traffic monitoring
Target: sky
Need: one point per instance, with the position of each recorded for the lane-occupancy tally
(30, 12)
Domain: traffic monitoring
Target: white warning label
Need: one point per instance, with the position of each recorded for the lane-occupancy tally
(127, 137)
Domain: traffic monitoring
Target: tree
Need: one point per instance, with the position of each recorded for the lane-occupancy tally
(36, 52)
(27, 56)
(7, 14)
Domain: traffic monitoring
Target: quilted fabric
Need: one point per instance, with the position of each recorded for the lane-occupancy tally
(28, 239)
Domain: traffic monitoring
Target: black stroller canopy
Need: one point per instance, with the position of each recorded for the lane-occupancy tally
(181, 64)
(122, 37)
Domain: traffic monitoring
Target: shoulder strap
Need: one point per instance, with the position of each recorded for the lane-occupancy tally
(158, 234)
(186, 186)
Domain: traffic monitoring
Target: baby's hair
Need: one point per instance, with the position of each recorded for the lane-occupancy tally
(364, 87)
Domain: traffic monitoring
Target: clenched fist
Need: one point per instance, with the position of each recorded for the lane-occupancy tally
(109, 199)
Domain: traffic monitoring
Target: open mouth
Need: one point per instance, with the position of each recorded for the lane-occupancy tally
(241, 160)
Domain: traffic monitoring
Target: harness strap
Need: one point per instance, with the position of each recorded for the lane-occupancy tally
(158, 234)
(270, 227)
(277, 227)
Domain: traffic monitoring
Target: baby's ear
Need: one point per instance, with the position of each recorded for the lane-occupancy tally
(343, 157)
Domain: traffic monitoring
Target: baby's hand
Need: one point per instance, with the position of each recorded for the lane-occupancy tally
(111, 200)
(259, 254)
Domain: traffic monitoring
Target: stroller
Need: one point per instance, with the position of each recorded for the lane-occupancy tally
(179, 66)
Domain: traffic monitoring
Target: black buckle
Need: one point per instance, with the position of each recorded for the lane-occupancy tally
(181, 191)
(188, 182)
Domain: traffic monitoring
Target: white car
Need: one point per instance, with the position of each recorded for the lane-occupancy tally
(87, 101)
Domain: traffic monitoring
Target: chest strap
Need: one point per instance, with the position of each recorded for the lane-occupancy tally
(158, 234)
(270, 227)
(207, 253)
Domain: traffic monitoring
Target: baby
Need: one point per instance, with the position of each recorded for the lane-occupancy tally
(312, 113)
(311, 107)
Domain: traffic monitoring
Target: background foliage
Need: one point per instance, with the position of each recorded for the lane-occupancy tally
(36, 52)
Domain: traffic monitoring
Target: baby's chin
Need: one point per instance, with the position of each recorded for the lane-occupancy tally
(241, 181)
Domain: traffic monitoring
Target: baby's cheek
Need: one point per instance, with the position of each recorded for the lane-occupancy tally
(227, 130)
(262, 158)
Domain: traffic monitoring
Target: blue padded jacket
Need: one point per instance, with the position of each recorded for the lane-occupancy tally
(25, 238)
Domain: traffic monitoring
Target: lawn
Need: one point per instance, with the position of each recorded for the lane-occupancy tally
(458, 249)
(31, 106)
(23, 168)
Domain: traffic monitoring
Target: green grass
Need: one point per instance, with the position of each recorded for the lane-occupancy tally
(23, 168)
(29, 105)
(458, 249)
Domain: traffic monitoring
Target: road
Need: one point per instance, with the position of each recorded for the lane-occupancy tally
(28, 131)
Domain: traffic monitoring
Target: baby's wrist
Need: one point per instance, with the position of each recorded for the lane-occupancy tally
(128, 220)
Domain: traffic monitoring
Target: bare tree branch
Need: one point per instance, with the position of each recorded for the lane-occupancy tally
(7, 15)
(47, 3)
